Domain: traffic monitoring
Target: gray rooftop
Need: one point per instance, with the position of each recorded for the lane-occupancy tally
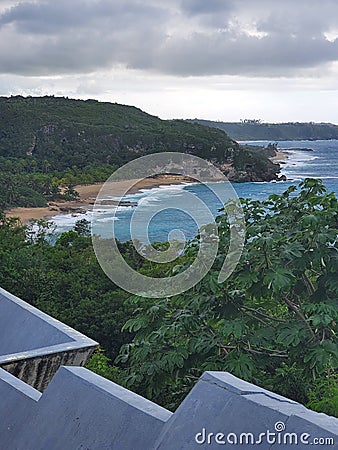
(33, 345)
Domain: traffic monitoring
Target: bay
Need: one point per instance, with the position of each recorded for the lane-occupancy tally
(321, 163)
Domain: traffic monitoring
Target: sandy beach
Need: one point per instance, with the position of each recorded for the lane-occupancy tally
(87, 196)
(279, 156)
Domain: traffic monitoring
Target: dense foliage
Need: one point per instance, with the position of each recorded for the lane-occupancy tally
(50, 142)
(33, 182)
(291, 131)
(75, 132)
(273, 322)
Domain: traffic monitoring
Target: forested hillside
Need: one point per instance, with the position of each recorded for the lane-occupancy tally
(255, 130)
(74, 132)
(48, 142)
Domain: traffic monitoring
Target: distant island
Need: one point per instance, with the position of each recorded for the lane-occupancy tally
(50, 144)
(256, 130)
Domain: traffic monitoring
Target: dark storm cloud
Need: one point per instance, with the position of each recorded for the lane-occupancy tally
(179, 37)
(211, 13)
(49, 17)
(79, 36)
(197, 7)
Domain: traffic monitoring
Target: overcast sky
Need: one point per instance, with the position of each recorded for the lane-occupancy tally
(214, 59)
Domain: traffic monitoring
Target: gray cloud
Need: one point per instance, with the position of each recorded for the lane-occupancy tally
(78, 36)
(181, 37)
(223, 54)
(310, 19)
(197, 7)
(211, 13)
(49, 17)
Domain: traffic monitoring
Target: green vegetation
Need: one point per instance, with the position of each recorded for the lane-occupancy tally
(273, 322)
(31, 182)
(257, 130)
(75, 132)
(52, 142)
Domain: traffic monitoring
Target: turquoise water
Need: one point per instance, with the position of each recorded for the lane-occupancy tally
(322, 162)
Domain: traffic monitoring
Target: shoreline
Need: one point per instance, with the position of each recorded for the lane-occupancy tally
(280, 156)
(89, 192)
(87, 197)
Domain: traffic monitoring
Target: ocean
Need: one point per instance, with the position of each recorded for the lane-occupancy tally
(322, 163)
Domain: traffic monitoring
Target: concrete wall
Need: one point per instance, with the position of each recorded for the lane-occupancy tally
(78, 410)
(81, 410)
(33, 345)
(221, 407)
(18, 320)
